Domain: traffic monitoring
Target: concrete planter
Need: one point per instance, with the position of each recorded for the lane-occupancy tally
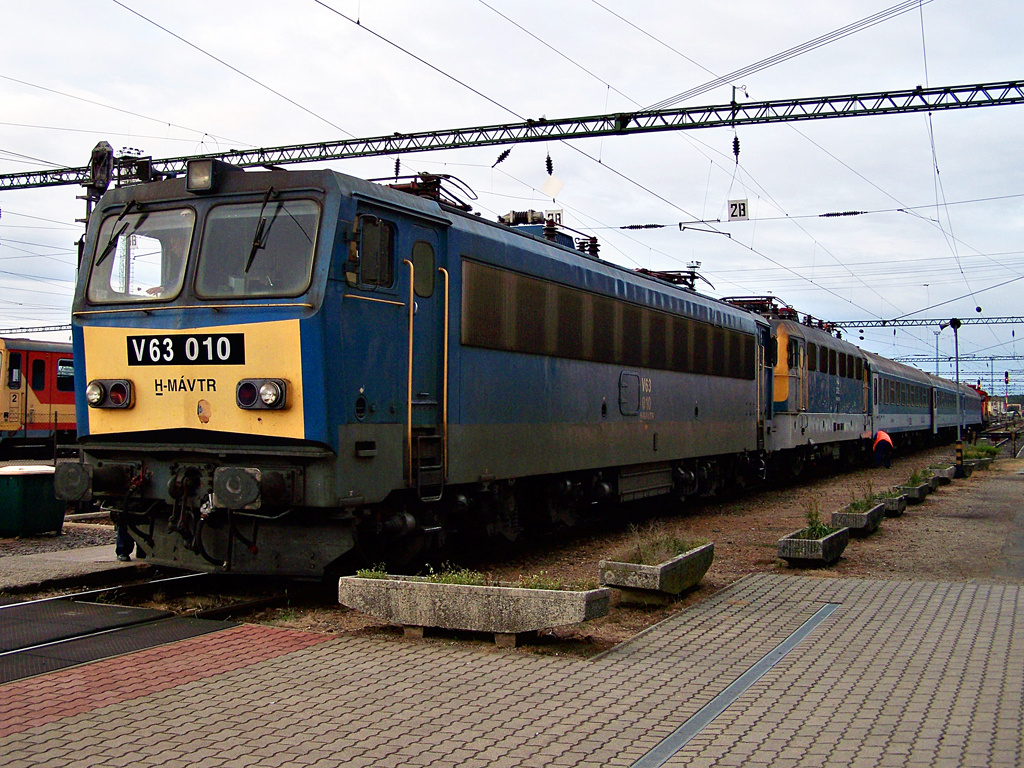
(916, 493)
(895, 505)
(964, 470)
(935, 481)
(809, 553)
(657, 583)
(506, 611)
(860, 523)
(944, 475)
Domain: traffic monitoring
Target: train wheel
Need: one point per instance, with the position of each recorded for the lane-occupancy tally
(503, 513)
(796, 464)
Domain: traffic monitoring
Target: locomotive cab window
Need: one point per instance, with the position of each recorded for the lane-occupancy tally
(793, 359)
(258, 249)
(140, 255)
(423, 264)
(372, 260)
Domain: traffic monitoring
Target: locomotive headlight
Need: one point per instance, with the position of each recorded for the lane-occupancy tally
(95, 393)
(261, 394)
(109, 393)
(270, 394)
(205, 175)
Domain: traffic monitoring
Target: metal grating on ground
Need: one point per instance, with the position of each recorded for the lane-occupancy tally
(31, 624)
(113, 642)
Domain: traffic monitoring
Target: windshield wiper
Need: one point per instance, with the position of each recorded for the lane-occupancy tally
(259, 238)
(116, 235)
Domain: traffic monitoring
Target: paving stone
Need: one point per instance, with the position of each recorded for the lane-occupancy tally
(897, 675)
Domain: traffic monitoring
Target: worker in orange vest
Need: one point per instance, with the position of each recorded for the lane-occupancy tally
(883, 449)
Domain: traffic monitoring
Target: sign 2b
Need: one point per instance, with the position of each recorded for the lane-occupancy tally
(738, 210)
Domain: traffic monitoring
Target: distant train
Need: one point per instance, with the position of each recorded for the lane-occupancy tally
(37, 398)
(285, 372)
(830, 395)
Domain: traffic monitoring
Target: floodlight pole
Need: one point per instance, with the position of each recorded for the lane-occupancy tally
(955, 325)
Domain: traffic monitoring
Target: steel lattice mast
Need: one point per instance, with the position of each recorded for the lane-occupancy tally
(619, 124)
(924, 322)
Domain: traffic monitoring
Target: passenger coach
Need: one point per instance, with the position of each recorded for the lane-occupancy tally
(37, 398)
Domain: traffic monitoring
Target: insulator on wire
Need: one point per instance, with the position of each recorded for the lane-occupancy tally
(550, 165)
(398, 166)
(736, 147)
(503, 156)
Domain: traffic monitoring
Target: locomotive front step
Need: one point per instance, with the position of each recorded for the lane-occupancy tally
(428, 466)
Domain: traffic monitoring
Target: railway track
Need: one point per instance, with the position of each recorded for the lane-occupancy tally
(49, 633)
(1009, 437)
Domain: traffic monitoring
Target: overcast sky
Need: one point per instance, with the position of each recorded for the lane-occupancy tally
(943, 196)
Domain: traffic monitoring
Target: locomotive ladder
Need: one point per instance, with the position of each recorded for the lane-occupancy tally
(428, 467)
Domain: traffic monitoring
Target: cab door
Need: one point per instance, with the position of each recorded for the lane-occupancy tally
(426, 287)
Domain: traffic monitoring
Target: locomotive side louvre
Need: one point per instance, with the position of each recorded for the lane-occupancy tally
(595, 380)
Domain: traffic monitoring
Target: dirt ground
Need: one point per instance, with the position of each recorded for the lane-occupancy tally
(936, 540)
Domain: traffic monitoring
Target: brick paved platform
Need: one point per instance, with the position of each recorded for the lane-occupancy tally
(899, 674)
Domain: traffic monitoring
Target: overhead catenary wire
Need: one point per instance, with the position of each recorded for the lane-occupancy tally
(810, 45)
(629, 179)
(84, 100)
(248, 77)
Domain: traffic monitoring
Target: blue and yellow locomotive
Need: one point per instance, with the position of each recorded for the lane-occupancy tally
(290, 372)
(283, 369)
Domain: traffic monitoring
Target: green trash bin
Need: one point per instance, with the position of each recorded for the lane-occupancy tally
(27, 502)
